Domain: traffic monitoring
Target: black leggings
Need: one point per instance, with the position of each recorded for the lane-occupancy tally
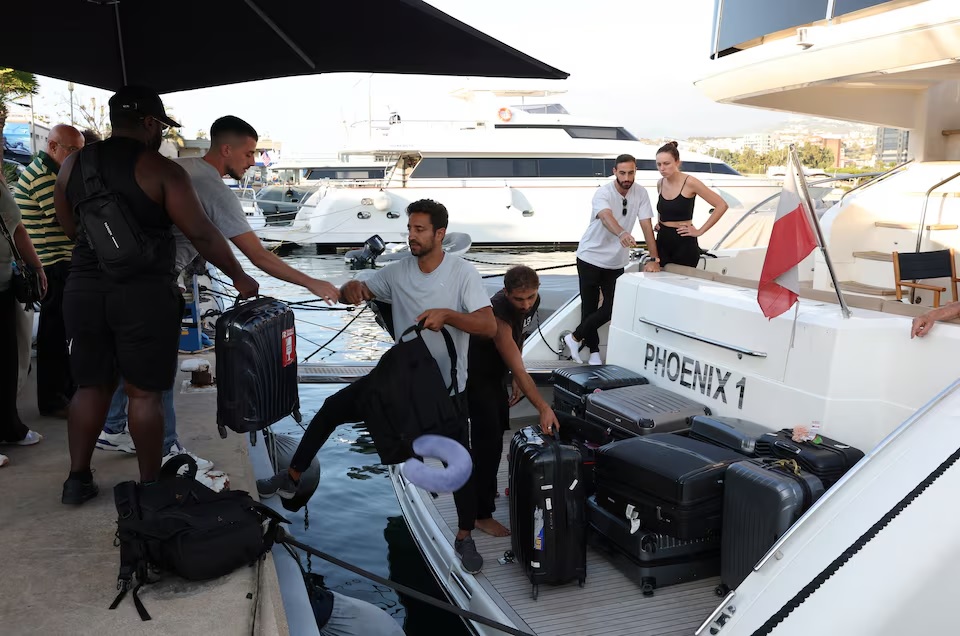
(11, 428)
(593, 281)
(673, 248)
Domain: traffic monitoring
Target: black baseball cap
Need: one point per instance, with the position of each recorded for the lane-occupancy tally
(140, 100)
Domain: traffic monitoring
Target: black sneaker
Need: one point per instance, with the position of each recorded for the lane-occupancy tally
(470, 559)
(76, 491)
(280, 484)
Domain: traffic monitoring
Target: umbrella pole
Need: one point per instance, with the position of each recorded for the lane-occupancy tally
(123, 61)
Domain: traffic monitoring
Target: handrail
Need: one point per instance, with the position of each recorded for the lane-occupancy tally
(756, 207)
(926, 201)
(880, 178)
(688, 334)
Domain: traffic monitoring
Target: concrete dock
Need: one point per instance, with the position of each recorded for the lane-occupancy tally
(58, 574)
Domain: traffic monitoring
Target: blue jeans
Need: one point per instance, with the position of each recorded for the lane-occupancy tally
(117, 416)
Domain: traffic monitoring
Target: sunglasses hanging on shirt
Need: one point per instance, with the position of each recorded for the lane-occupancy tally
(624, 207)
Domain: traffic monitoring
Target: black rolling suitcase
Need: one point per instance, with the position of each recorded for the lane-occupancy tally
(729, 432)
(761, 500)
(547, 510)
(828, 460)
(648, 558)
(672, 482)
(256, 366)
(572, 385)
(641, 410)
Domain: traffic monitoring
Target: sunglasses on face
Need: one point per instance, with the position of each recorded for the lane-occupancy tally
(69, 149)
(624, 207)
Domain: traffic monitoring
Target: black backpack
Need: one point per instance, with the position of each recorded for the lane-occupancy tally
(179, 526)
(122, 246)
(409, 398)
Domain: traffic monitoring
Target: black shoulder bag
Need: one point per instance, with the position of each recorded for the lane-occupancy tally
(26, 280)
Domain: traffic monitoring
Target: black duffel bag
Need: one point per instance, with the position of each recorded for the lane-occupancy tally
(177, 525)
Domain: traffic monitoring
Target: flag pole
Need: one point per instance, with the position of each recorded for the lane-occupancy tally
(807, 204)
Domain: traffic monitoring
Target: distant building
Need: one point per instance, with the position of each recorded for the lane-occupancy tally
(834, 145)
(892, 145)
(760, 142)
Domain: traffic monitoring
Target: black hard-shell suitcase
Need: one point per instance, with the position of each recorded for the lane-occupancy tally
(729, 432)
(644, 545)
(641, 410)
(828, 460)
(256, 366)
(674, 483)
(547, 509)
(649, 559)
(572, 385)
(761, 500)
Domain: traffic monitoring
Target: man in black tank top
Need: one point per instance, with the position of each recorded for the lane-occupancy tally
(129, 326)
(489, 360)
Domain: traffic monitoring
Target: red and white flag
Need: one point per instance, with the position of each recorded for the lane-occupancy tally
(791, 240)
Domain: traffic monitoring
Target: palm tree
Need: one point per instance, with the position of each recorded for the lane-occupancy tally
(14, 85)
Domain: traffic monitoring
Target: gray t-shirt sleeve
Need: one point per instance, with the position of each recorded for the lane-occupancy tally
(472, 296)
(381, 282)
(223, 207)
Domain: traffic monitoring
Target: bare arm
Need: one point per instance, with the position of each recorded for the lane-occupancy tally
(354, 292)
(923, 324)
(60, 202)
(646, 226)
(267, 261)
(478, 323)
(610, 223)
(715, 200)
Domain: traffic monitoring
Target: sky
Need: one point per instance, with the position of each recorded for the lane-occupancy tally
(630, 63)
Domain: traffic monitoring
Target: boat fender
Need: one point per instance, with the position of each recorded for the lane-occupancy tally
(382, 201)
(432, 479)
(280, 449)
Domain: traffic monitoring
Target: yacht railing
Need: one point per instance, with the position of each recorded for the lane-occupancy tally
(756, 208)
(926, 201)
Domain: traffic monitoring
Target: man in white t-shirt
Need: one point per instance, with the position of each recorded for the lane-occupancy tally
(605, 250)
(233, 143)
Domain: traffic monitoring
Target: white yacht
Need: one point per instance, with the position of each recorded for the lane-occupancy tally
(875, 554)
(512, 175)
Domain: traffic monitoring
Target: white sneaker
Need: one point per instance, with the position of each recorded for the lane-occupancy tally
(121, 442)
(31, 438)
(595, 358)
(177, 449)
(574, 347)
(4, 460)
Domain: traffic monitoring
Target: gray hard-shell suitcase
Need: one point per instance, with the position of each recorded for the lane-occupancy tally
(761, 500)
(642, 409)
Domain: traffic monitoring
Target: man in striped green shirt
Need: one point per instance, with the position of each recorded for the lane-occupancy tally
(34, 195)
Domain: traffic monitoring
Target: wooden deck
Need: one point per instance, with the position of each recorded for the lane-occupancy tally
(609, 603)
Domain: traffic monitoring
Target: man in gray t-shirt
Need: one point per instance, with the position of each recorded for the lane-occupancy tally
(436, 288)
(232, 146)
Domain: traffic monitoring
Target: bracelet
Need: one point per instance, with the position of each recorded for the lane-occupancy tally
(621, 233)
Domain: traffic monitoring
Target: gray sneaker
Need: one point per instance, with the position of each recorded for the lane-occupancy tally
(470, 559)
(280, 484)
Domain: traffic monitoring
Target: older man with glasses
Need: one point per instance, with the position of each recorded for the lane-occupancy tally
(604, 251)
(34, 195)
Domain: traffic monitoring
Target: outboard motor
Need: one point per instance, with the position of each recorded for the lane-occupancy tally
(366, 257)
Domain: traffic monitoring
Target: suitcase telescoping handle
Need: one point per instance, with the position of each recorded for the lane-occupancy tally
(569, 512)
(790, 448)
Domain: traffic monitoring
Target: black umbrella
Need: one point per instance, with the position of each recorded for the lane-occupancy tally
(179, 45)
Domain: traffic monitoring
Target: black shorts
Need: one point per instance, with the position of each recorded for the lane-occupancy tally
(673, 248)
(126, 330)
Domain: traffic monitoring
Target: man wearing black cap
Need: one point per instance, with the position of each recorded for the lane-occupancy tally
(122, 308)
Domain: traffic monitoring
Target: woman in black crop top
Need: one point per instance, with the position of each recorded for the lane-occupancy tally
(676, 234)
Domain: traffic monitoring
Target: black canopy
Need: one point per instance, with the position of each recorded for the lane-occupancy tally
(179, 45)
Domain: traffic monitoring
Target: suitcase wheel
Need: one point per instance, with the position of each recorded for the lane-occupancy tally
(536, 591)
(647, 585)
(223, 431)
(721, 590)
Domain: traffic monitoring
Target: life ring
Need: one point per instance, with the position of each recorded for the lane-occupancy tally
(505, 114)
